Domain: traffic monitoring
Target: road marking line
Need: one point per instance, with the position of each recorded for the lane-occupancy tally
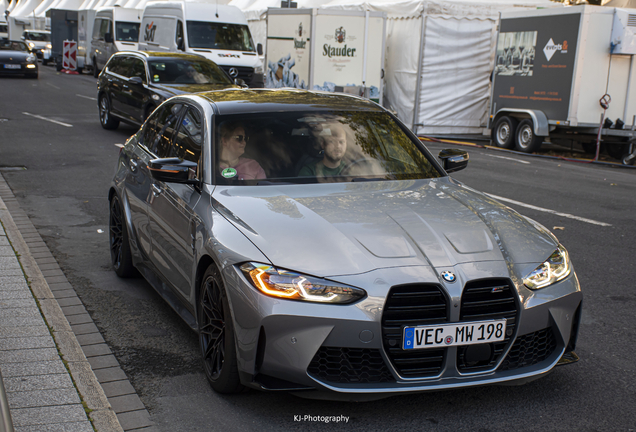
(509, 158)
(554, 212)
(53, 86)
(48, 119)
(86, 97)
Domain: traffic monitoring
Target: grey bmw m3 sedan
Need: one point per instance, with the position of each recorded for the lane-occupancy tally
(318, 247)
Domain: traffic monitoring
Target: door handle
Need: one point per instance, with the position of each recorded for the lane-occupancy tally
(156, 190)
(133, 165)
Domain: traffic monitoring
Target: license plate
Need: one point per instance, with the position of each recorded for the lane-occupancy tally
(12, 66)
(445, 335)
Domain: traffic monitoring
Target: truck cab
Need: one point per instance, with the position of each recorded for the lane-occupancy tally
(217, 32)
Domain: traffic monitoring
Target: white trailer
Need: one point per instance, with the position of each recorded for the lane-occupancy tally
(565, 74)
(331, 50)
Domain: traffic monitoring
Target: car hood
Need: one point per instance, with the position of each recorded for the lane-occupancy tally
(15, 56)
(351, 228)
(178, 89)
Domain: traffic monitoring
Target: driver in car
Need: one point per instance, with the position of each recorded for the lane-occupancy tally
(333, 141)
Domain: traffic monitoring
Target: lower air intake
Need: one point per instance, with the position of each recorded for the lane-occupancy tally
(349, 365)
(530, 349)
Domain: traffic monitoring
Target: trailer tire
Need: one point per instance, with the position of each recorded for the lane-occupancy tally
(617, 150)
(503, 134)
(525, 139)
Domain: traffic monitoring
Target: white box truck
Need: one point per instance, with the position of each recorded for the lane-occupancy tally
(115, 29)
(562, 74)
(326, 49)
(217, 32)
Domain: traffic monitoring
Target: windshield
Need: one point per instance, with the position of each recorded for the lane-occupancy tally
(316, 147)
(212, 35)
(127, 31)
(10, 45)
(3, 28)
(37, 36)
(178, 71)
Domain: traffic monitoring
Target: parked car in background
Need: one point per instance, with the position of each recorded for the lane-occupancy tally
(134, 83)
(17, 59)
(318, 247)
(38, 41)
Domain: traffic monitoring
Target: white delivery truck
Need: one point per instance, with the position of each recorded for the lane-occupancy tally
(85, 21)
(326, 49)
(217, 32)
(115, 29)
(566, 74)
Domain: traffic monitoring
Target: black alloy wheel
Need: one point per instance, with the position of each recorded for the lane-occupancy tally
(503, 134)
(120, 255)
(105, 118)
(216, 334)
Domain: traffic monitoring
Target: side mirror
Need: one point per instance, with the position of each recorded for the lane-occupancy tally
(259, 49)
(173, 170)
(135, 80)
(180, 44)
(453, 159)
(108, 38)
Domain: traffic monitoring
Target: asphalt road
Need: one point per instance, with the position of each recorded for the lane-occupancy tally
(64, 187)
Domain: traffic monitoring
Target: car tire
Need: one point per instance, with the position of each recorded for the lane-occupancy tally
(105, 116)
(216, 334)
(120, 255)
(95, 70)
(526, 141)
(503, 134)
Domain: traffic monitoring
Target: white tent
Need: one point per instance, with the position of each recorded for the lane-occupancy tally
(438, 60)
(13, 5)
(25, 8)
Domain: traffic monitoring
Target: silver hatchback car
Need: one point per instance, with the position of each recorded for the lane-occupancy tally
(316, 246)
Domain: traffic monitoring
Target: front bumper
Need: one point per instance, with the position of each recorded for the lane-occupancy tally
(354, 351)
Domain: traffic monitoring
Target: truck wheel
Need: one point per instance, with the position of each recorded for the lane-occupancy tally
(526, 140)
(617, 150)
(503, 134)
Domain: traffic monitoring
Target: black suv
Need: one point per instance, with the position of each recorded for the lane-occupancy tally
(134, 83)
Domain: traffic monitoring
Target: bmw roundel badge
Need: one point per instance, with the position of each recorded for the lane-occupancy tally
(449, 276)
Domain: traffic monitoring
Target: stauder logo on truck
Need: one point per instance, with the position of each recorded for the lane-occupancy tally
(344, 51)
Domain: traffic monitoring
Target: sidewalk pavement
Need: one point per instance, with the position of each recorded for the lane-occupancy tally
(49, 384)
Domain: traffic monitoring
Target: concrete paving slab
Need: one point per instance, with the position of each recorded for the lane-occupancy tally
(55, 279)
(90, 339)
(6, 251)
(20, 313)
(34, 342)
(42, 398)
(21, 321)
(65, 293)
(70, 301)
(11, 280)
(33, 368)
(30, 355)
(118, 388)
(38, 382)
(96, 350)
(16, 294)
(73, 310)
(7, 303)
(81, 329)
(52, 273)
(84, 426)
(54, 316)
(11, 272)
(61, 286)
(134, 419)
(48, 415)
(9, 263)
(102, 362)
(48, 266)
(110, 374)
(84, 318)
(126, 403)
(20, 331)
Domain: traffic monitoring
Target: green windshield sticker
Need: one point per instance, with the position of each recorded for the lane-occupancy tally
(228, 173)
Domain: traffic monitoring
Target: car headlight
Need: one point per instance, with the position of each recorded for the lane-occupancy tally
(295, 286)
(31, 44)
(49, 46)
(31, 58)
(258, 69)
(554, 269)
